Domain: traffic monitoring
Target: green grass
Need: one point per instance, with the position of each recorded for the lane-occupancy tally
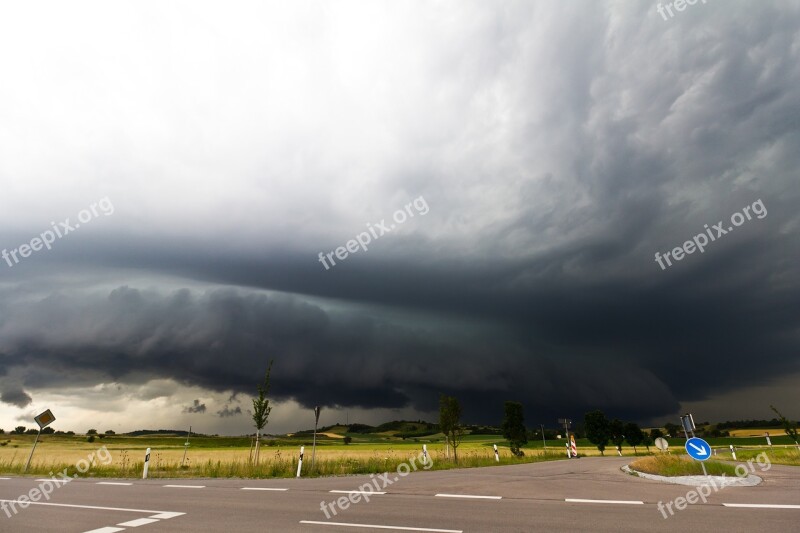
(675, 465)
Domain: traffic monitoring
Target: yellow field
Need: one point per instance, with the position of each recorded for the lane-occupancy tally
(757, 432)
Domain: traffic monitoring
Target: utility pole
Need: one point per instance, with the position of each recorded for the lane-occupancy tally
(544, 442)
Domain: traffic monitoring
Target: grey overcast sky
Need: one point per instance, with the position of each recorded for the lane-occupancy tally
(547, 151)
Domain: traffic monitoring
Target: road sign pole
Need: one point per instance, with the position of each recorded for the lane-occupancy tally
(544, 442)
(36, 440)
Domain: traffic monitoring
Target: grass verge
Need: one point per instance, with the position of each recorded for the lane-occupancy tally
(674, 465)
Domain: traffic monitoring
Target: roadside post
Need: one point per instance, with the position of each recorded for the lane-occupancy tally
(573, 446)
(769, 442)
(697, 448)
(569, 454)
(146, 463)
(300, 462)
(43, 420)
(496, 454)
(424, 454)
(733, 452)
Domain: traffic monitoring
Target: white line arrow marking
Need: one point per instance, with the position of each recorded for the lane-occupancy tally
(699, 449)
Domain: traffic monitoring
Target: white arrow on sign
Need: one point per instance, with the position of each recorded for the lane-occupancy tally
(700, 449)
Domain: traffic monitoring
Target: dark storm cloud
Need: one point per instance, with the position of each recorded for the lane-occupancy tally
(15, 396)
(572, 144)
(227, 412)
(196, 407)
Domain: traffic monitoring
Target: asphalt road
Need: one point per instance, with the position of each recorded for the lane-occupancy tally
(571, 495)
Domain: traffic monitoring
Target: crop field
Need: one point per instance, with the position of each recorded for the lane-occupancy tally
(366, 453)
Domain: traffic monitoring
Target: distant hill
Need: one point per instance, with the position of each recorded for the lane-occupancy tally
(161, 432)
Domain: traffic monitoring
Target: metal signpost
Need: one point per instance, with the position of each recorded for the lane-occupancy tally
(697, 448)
(43, 420)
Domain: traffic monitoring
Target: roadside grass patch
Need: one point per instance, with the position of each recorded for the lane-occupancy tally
(675, 465)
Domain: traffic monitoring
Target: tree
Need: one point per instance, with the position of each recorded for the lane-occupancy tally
(647, 441)
(90, 438)
(787, 426)
(597, 429)
(48, 430)
(656, 433)
(110, 432)
(450, 422)
(261, 409)
(514, 427)
(673, 430)
(617, 429)
(92, 432)
(348, 439)
(19, 430)
(634, 435)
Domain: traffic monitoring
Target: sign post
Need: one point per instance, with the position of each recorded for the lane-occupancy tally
(699, 447)
(43, 420)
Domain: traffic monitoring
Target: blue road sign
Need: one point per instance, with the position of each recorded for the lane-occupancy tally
(698, 449)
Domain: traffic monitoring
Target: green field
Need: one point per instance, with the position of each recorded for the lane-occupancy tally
(372, 450)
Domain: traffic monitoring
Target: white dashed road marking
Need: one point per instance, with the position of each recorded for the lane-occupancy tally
(355, 492)
(469, 496)
(114, 483)
(263, 488)
(762, 505)
(623, 502)
(373, 526)
(185, 486)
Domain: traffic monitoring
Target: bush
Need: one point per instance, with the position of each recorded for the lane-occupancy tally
(90, 438)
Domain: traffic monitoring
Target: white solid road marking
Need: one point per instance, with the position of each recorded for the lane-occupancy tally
(355, 492)
(54, 479)
(88, 507)
(580, 500)
(138, 522)
(185, 486)
(762, 505)
(469, 496)
(106, 530)
(263, 488)
(114, 483)
(373, 526)
(167, 515)
(4, 478)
